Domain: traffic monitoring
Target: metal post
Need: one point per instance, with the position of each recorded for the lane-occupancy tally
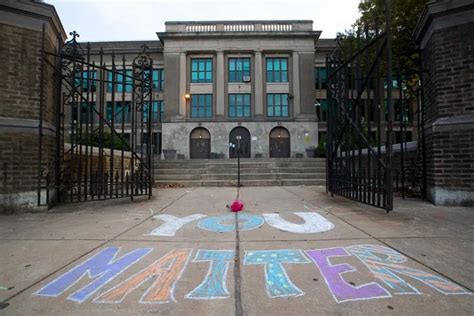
(389, 176)
(238, 159)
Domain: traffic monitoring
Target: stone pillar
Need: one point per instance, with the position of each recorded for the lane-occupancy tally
(259, 94)
(21, 39)
(182, 84)
(445, 34)
(220, 111)
(296, 84)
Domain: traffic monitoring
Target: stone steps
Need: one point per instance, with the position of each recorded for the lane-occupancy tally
(254, 172)
(246, 183)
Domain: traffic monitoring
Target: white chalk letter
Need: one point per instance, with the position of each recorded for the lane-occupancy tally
(314, 223)
(172, 224)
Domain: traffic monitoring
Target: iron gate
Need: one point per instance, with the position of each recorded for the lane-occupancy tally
(103, 124)
(360, 118)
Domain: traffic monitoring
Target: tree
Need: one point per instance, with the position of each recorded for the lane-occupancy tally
(405, 16)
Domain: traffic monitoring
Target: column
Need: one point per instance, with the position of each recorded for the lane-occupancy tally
(258, 84)
(182, 84)
(220, 84)
(296, 85)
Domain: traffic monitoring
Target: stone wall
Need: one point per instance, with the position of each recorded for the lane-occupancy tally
(302, 134)
(446, 36)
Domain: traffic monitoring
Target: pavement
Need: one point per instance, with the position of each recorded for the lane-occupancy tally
(293, 250)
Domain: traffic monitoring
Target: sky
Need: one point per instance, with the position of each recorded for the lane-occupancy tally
(122, 20)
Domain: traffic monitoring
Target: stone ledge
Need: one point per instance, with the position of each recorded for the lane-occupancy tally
(451, 196)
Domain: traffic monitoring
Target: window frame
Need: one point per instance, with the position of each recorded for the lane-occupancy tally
(207, 74)
(273, 97)
(274, 75)
(197, 107)
(233, 105)
(236, 75)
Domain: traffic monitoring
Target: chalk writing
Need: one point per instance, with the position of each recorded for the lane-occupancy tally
(340, 289)
(314, 223)
(214, 285)
(226, 223)
(172, 224)
(103, 267)
(385, 264)
(277, 282)
(166, 271)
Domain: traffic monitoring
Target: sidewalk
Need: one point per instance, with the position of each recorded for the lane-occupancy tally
(295, 251)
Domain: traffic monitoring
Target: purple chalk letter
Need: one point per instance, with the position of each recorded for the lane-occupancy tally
(340, 289)
(102, 267)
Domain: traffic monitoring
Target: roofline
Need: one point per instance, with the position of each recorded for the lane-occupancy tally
(239, 21)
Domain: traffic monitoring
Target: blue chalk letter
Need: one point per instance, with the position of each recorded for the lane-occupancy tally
(214, 284)
(276, 280)
(103, 267)
(226, 223)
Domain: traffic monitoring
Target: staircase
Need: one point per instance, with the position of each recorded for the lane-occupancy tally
(253, 172)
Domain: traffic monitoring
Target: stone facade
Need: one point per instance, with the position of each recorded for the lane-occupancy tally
(446, 36)
(257, 41)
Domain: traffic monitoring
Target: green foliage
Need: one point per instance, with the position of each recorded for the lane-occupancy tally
(94, 139)
(321, 149)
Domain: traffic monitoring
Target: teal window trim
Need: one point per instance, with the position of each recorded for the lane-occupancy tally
(120, 112)
(277, 105)
(277, 69)
(89, 80)
(156, 111)
(201, 70)
(238, 68)
(120, 81)
(201, 105)
(158, 79)
(321, 77)
(239, 105)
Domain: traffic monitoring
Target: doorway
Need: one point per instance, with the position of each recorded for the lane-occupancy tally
(244, 142)
(279, 143)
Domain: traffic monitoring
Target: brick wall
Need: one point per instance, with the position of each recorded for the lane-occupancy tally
(20, 53)
(448, 59)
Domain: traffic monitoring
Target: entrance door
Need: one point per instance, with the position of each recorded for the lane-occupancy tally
(244, 142)
(279, 143)
(200, 144)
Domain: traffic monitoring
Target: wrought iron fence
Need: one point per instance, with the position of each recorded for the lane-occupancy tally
(103, 145)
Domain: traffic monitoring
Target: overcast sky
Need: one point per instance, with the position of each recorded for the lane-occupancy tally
(115, 20)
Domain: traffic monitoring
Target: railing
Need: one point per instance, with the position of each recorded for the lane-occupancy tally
(201, 28)
(277, 27)
(240, 26)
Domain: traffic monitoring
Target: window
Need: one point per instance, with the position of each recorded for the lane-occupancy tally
(89, 80)
(239, 105)
(121, 81)
(120, 113)
(397, 111)
(323, 110)
(87, 112)
(201, 70)
(321, 77)
(156, 111)
(277, 69)
(201, 105)
(277, 104)
(158, 80)
(239, 68)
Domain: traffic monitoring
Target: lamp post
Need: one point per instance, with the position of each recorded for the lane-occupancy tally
(238, 137)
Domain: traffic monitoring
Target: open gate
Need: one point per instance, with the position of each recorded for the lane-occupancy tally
(102, 123)
(360, 118)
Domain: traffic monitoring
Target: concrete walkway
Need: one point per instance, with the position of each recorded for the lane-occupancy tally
(295, 251)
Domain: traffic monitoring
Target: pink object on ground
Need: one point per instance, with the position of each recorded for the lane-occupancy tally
(237, 206)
